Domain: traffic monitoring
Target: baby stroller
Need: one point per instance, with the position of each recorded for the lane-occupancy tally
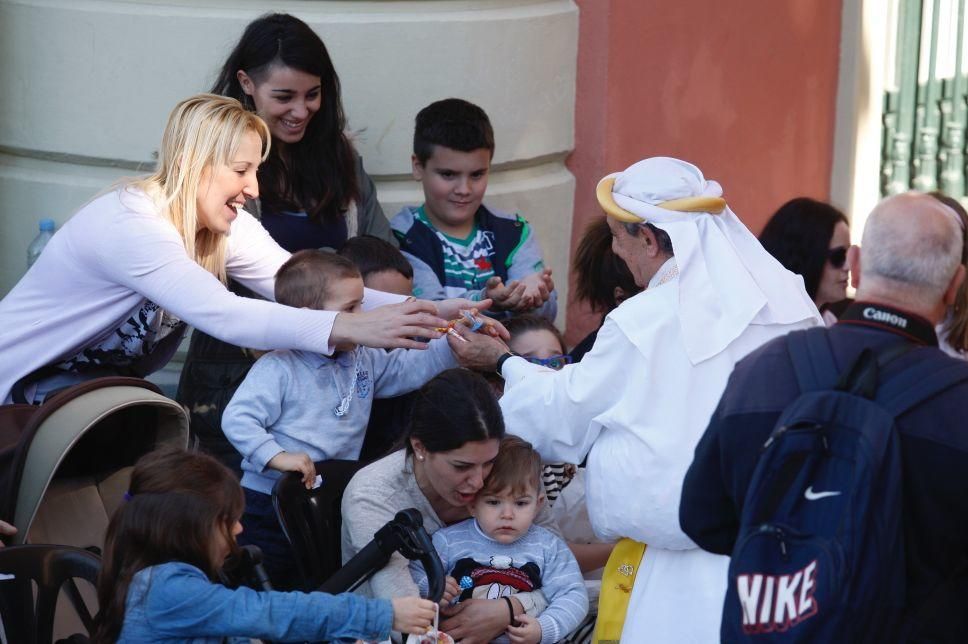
(65, 464)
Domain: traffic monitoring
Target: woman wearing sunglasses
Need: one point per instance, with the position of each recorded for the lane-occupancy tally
(811, 239)
(953, 331)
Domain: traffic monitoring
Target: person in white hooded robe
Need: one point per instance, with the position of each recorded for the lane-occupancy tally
(638, 402)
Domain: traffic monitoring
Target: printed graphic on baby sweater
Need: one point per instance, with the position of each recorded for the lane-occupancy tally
(498, 578)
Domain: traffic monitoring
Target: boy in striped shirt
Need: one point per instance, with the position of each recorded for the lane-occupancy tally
(458, 247)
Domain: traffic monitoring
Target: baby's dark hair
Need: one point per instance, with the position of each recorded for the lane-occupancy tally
(453, 123)
(531, 322)
(371, 255)
(517, 468)
(303, 281)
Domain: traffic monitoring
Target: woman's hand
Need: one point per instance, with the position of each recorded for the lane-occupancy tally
(528, 631)
(412, 614)
(388, 327)
(476, 621)
(452, 308)
(295, 462)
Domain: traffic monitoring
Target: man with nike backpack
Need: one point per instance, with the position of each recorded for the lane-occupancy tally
(835, 469)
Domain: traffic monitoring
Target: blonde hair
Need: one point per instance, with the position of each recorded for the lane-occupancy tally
(203, 132)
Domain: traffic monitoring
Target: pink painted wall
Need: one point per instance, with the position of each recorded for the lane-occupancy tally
(745, 90)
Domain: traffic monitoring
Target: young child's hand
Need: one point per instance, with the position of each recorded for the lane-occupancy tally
(506, 297)
(412, 614)
(537, 288)
(451, 590)
(528, 630)
(295, 462)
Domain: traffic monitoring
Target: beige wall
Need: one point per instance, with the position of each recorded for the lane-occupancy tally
(88, 86)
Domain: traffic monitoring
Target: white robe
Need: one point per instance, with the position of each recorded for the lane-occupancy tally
(636, 406)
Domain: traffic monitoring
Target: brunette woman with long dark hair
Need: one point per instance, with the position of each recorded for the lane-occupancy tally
(314, 192)
(811, 238)
(953, 331)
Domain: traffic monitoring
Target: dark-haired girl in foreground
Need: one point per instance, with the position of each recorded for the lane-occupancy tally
(163, 550)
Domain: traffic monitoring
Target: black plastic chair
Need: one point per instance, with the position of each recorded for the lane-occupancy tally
(312, 520)
(52, 568)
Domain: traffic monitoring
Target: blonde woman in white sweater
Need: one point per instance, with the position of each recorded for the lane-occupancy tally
(116, 286)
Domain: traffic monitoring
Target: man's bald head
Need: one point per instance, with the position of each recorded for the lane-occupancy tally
(911, 247)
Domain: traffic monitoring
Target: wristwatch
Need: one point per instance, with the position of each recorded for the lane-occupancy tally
(502, 359)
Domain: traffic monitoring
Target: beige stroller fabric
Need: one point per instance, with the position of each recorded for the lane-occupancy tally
(75, 511)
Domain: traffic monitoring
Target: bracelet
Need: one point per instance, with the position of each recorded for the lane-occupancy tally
(513, 621)
(502, 360)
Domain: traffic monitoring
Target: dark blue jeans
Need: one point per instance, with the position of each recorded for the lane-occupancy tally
(260, 527)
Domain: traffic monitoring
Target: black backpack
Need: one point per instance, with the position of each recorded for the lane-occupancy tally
(820, 554)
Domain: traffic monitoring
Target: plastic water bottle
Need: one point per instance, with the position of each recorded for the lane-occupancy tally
(36, 246)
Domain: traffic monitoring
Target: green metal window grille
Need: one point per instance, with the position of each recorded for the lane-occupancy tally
(926, 102)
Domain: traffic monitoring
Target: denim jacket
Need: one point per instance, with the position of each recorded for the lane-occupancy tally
(176, 602)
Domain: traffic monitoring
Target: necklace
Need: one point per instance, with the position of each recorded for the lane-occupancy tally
(344, 398)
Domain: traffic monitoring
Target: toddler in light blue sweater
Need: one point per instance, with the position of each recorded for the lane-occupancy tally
(500, 552)
(297, 407)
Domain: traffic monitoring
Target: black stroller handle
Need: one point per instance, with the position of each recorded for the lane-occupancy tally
(252, 557)
(245, 568)
(404, 534)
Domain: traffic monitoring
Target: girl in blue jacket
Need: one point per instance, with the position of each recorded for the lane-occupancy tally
(162, 552)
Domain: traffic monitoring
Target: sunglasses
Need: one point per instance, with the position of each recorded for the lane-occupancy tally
(553, 362)
(837, 256)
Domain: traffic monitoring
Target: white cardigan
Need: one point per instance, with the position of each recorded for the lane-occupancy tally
(115, 256)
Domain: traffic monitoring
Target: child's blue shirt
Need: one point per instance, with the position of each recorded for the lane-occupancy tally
(288, 402)
(176, 603)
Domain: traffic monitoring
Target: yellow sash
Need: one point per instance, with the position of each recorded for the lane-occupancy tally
(617, 581)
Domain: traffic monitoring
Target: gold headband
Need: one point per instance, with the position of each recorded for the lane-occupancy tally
(713, 205)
